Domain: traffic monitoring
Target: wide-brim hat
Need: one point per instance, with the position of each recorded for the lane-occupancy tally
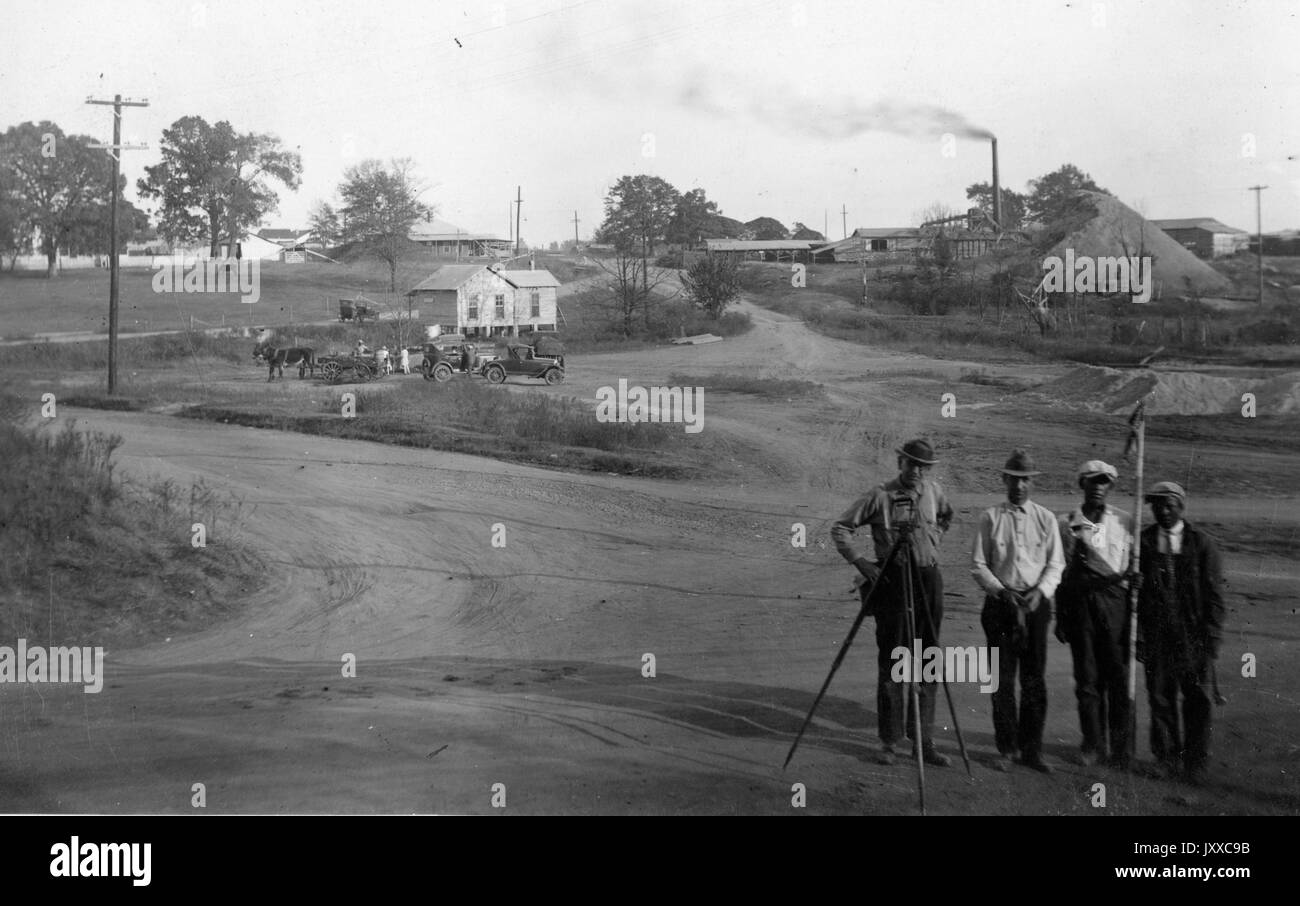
(918, 451)
(1095, 467)
(1166, 489)
(1020, 464)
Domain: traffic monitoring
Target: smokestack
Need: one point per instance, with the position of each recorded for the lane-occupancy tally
(997, 189)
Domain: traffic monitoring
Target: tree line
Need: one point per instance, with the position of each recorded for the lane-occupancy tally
(212, 185)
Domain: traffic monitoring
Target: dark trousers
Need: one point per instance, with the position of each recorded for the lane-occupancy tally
(1028, 655)
(1164, 681)
(1099, 637)
(894, 717)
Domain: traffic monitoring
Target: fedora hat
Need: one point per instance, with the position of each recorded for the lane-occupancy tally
(1166, 489)
(1020, 464)
(919, 451)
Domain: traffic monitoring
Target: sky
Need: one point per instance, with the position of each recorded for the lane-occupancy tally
(793, 110)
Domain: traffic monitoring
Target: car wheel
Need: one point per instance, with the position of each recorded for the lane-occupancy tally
(496, 374)
(554, 376)
(442, 373)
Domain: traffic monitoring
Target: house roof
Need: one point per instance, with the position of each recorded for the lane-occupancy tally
(1209, 224)
(757, 245)
(436, 230)
(887, 233)
(529, 279)
(448, 276)
(276, 234)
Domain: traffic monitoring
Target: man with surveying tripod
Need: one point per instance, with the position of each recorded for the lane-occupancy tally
(918, 507)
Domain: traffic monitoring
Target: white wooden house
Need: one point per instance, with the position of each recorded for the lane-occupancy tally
(479, 301)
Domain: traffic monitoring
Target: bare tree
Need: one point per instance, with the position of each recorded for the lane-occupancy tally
(935, 210)
(629, 285)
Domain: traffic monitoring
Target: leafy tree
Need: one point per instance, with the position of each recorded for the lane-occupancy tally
(212, 181)
(712, 283)
(91, 235)
(802, 232)
(694, 219)
(323, 221)
(638, 210)
(767, 228)
(379, 206)
(57, 185)
(1050, 194)
(15, 232)
(1013, 203)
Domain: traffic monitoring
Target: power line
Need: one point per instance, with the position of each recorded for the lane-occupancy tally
(114, 151)
(1259, 232)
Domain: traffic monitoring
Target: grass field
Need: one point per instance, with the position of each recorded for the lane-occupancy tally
(77, 300)
(1097, 332)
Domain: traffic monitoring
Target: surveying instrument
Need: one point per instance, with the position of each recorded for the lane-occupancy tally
(899, 566)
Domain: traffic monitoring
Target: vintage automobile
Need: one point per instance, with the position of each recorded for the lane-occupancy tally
(521, 360)
(450, 355)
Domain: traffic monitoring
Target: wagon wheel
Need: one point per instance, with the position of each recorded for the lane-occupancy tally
(555, 376)
(496, 374)
(442, 373)
(331, 371)
(361, 372)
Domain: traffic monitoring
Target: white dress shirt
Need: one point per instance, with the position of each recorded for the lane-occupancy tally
(1018, 547)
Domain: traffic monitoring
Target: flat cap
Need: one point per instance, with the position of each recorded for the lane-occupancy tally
(1166, 489)
(1095, 467)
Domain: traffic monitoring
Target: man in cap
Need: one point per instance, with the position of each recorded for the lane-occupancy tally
(1180, 629)
(921, 500)
(1092, 615)
(1017, 562)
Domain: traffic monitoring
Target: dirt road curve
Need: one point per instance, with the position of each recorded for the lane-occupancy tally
(523, 665)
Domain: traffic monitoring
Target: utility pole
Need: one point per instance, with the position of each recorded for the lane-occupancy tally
(575, 232)
(519, 204)
(114, 151)
(1259, 237)
(844, 215)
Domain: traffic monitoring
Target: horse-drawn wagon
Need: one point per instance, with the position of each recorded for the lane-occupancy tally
(337, 369)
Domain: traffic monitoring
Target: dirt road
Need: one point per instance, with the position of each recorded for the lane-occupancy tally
(526, 664)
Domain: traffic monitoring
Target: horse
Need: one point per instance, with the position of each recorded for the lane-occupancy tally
(276, 358)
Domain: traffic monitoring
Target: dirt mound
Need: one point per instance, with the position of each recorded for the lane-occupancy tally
(1103, 226)
(1116, 391)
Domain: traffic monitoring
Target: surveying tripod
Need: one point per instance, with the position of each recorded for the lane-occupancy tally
(898, 565)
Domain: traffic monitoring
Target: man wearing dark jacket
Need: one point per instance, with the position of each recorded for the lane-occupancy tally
(1180, 629)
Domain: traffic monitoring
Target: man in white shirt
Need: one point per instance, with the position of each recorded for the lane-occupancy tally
(1092, 615)
(1017, 562)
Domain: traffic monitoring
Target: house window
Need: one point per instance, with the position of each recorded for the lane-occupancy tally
(501, 305)
(472, 313)
(880, 245)
(535, 309)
